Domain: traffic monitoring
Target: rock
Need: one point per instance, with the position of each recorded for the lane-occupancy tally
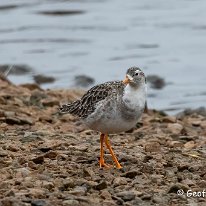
(105, 195)
(22, 172)
(196, 123)
(51, 155)
(126, 195)
(50, 102)
(42, 79)
(31, 86)
(12, 120)
(146, 197)
(130, 174)
(175, 128)
(19, 69)
(152, 147)
(88, 172)
(189, 145)
(13, 148)
(100, 186)
(78, 191)
(48, 185)
(9, 114)
(178, 186)
(38, 160)
(156, 81)
(38, 202)
(169, 119)
(25, 120)
(11, 201)
(119, 181)
(61, 12)
(175, 144)
(29, 137)
(71, 203)
(10, 193)
(109, 203)
(37, 193)
(83, 80)
(200, 111)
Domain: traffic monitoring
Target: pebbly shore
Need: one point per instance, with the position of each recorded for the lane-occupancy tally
(52, 159)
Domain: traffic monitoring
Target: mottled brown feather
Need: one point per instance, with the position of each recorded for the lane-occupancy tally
(87, 104)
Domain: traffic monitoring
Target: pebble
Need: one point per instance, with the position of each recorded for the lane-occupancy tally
(126, 195)
(175, 128)
(169, 119)
(189, 145)
(71, 203)
(100, 186)
(130, 174)
(38, 202)
(105, 195)
(83, 80)
(178, 186)
(119, 181)
(38, 160)
(152, 147)
(51, 154)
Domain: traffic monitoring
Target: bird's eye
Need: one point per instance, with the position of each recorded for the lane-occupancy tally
(136, 74)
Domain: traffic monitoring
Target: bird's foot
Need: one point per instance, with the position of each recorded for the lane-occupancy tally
(103, 164)
(118, 166)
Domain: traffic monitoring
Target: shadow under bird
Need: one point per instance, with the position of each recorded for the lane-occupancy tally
(111, 107)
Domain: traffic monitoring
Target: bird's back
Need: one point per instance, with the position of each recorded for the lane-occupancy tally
(87, 104)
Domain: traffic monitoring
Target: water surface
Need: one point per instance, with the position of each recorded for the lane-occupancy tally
(101, 39)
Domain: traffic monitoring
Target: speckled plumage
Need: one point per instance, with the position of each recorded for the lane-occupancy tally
(87, 104)
(111, 107)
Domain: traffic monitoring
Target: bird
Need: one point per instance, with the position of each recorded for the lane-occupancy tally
(111, 107)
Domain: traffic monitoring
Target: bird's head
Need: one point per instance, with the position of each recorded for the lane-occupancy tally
(135, 77)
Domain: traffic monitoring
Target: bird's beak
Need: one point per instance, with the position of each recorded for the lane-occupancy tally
(127, 80)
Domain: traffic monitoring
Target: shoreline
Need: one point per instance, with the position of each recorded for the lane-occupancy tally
(50, 159)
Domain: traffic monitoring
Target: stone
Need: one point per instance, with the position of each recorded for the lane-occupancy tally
(51, 155)
(126, 195)
(38, 202)
(169, 119)
(156, 81)
(25, 120)
(175, 144)
(83, 80)
(12, 120)
(100, 186)
(79, 191)
(175, 128)
(71, 203)
(130, 174)
(38, 160)
(189, 145)
(88, 172)
(105, 195)
(42, 79)
(22, 172)
(48, 185)
(178, 186)
(119, 181)
(50, 102)
(152, 147)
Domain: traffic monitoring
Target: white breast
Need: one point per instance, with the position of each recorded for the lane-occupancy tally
(135, 98)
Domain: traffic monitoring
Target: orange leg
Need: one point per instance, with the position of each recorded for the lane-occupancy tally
(101, 161)
(106, 139)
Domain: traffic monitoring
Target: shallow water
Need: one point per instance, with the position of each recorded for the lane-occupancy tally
(102, 39)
